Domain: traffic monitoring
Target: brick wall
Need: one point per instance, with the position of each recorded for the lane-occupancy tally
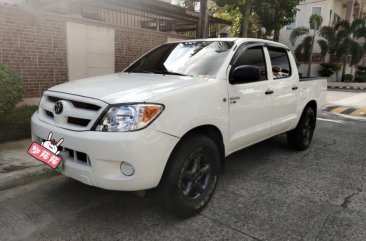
(132, 44)
(34, 48)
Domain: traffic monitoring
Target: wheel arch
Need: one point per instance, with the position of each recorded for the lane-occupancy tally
(212, 132)
(312, 104)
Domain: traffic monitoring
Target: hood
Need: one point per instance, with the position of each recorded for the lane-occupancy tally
(125, 87)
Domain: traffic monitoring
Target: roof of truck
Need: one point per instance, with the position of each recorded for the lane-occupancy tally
(237, 40)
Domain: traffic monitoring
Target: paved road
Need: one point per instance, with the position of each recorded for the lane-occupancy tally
(351, 98)
(268, 193)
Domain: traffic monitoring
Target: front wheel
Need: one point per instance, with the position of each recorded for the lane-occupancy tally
(191, 176)
(300, 138)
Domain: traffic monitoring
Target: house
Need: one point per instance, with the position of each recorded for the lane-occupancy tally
(51, 42)
(196, 5)
(332, 12)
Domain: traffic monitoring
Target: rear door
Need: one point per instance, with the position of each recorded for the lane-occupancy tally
(286, 90)
(251, 102)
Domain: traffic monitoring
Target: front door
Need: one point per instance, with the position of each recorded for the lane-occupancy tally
(251, 102)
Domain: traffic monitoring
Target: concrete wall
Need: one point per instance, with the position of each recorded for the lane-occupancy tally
(90, 50)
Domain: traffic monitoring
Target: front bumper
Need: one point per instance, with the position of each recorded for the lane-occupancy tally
(146, 150)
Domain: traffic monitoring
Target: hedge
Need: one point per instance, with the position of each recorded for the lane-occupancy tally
(10, 90)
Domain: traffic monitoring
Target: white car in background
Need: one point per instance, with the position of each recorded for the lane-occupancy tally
(171, 118)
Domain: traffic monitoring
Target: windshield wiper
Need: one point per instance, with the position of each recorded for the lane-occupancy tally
(167, 73)
(156, 72)
(141, 71)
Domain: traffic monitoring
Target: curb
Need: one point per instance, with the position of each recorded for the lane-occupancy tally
(342, 110)
(347, 87)
(25, 176)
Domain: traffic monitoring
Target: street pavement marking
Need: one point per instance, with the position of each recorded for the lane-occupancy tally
(329, 108)
(330, 120)
(339, 110)
(349, 111)
(359, 112)
(343, 110)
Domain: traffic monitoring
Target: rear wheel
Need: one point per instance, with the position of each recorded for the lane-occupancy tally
(190, 177)
(300, 138)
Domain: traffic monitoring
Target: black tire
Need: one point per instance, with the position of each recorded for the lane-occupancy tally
(300, 138)
(190, 177)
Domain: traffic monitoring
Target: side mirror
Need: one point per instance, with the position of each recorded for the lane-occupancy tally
(245, 74)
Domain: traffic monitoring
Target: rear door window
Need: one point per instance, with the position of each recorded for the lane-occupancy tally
(281, 66)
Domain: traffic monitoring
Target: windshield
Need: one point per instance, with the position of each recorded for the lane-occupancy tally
(194, 58)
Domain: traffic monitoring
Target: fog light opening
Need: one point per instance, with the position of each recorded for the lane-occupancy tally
(127, 169)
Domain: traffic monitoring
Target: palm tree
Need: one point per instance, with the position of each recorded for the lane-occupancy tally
(347, 35)
(306, 47)
(324, 48)
(330, 38)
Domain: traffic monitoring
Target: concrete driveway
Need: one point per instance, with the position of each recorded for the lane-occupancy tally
(269, 192)
(352, 98)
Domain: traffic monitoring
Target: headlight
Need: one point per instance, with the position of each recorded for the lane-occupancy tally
(129, 117)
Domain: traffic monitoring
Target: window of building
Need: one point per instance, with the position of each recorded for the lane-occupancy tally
(316, 10)
(281, 66)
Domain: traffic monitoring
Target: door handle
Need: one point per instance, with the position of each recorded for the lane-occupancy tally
(269, 92)
(295, 88)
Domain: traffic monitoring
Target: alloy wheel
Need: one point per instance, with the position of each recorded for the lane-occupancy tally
(196, 176)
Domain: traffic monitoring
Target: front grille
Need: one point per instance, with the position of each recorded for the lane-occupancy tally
(81, 156)
(75, 156)
(53, 99)
(77, 104)
(78, 121)
(49, 114)
(86, 106)
(78, 113)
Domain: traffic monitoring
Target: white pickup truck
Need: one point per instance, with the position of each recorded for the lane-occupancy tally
(171, 118)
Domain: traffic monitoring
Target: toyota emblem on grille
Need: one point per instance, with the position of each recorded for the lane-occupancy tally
(58, 108)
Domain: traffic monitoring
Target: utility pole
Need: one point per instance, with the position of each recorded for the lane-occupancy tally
(203, 20)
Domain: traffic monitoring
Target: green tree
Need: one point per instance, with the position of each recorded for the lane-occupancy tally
(275, 14)
(10, 90)
(306, 47)
(245, 9)
(324, 48)
(189, 4)
(330, 37)
(203, 17)
(342, 41)
(229, 14)
(347, 45)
